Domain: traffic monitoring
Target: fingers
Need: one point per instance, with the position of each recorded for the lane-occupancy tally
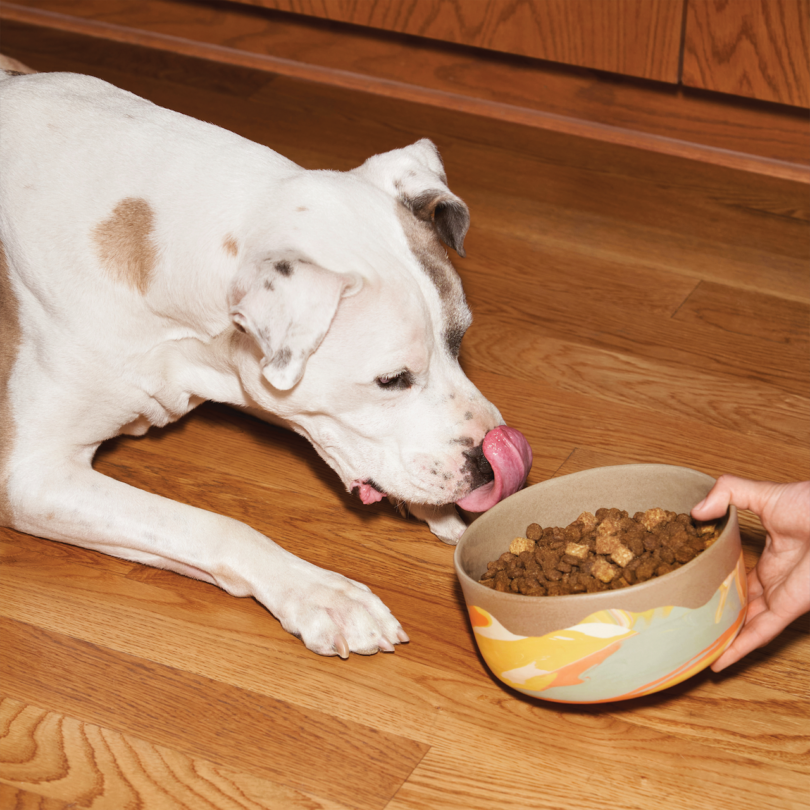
(744, 494)
(755, 589)
(729, 657)
(763, 627)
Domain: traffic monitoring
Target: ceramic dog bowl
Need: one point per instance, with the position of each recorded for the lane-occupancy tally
(611, 645)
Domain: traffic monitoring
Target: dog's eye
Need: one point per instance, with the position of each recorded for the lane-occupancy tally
(395, 382)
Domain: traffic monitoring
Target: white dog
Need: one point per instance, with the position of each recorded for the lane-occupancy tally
(150, 262)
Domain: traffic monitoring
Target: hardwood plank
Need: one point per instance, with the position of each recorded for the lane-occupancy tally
(743, 405)
(647, 436)
(754, 48)
(14, 798)
(726, 239)
(577, 314)
(597, 761)
(159, 704)
(749, 730)
(719, 130)
(71, 763)
(742, 312)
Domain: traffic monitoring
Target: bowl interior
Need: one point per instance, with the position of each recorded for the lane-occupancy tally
(558, 502)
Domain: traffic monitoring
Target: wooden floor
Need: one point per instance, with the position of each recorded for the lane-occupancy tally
(628, 307)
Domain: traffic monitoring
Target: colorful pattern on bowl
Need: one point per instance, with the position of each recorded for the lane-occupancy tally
(597, 659)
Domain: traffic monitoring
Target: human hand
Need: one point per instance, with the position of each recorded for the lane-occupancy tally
(779, 584)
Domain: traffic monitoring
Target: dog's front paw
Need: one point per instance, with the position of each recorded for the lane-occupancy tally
(334, 615)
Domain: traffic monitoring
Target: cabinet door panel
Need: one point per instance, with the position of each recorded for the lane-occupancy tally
(633, 37)
(753, 48)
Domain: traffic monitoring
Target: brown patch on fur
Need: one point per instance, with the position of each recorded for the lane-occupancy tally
(230, 245)
(426, 247)
(9, 346)
(124, 243)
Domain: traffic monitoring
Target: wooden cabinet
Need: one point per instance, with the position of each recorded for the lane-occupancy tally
(753, 48)
(633, 37)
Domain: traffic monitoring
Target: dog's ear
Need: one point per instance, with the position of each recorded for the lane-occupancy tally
(287, 305)
(415, 176)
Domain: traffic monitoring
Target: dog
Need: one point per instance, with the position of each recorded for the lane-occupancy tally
(151, 262)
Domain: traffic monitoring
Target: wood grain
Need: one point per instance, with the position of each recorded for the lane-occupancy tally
(159, 704)
(14, 798)
(535, 93)
(87, 765)
(740, 312)
(631, 37)
(629, 306)
(754, 48)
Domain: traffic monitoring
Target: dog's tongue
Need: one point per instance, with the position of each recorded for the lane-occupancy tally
(507, 450)
(368, 493)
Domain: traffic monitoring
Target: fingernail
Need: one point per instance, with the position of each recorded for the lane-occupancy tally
(701, 504)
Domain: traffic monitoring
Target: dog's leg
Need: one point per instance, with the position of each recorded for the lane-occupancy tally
(73, 503)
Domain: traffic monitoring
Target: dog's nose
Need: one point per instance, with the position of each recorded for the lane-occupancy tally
(477, 467)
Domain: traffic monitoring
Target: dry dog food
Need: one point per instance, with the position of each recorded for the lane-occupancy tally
(599, 552)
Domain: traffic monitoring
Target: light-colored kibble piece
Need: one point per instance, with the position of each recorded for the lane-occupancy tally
(587, 520)
(603, 570)
(578, 550)
(521, 544)
(607, 543)
(652, 517)
(622, 555)
(609, 526)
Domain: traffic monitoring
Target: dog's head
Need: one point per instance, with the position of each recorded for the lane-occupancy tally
(352, 318)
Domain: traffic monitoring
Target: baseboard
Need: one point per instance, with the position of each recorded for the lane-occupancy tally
(751, 136)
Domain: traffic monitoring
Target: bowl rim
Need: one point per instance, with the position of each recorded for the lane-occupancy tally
(579, 601)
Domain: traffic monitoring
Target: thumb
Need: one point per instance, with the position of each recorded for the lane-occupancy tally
(742, 492)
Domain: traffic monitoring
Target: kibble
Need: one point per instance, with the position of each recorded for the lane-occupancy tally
(599, 552)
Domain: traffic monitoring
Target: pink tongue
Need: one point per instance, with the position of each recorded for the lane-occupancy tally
(367, 492)
(507, 450)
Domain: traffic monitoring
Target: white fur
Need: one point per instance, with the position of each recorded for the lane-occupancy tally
(98, 357)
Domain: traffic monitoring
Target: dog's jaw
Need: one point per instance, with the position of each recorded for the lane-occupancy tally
(443, 521)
